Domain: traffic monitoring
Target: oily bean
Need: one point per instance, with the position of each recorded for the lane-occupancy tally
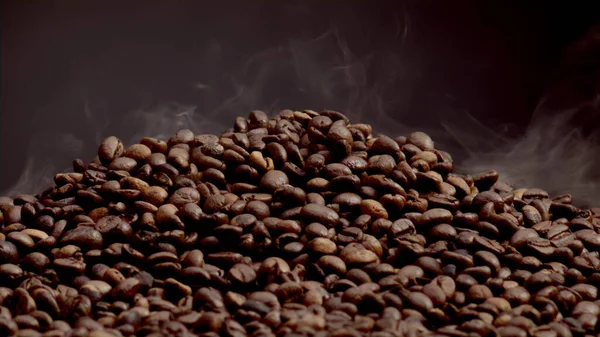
(8, 252)
(435, 293)
(373, 208)
(322, 246)
(419, 301)
(21, 239)
(139, 152)
(355, 253)
(83, 236)
(109, 149)
(242, 274)
(421, 140)
(272, 268)
(184, 195)
(35, 261)
(320, 213)
(436, 216)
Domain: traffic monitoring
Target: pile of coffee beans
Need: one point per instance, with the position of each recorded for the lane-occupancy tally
(299, 225)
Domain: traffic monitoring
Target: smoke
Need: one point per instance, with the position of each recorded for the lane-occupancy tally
(560, 149)
(552, 154)
(382, 87)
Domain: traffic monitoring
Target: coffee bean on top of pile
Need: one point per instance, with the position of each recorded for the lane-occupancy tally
(299, 225)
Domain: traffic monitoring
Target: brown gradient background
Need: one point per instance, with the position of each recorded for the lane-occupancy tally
(491, 58)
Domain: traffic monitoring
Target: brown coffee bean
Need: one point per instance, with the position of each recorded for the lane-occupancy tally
(435, 293)
(446, 284)
(35, 262)
(179, 157)
(373, 208)
(21, 239)
(242, 274)
(478, 293)
(420, 139)
(332, 264)
(155, 195)
(95, 289)
(589, 237)
(384, 144)
(184, 196)
(83, 236)
(272, 268)
(586, 291)
(109, 149)
(24, 303)
(419, 301)
(521, 237)
(320, 213)
(488, 259)
(322, 246)
(289, 292)
(8, 252)
(127, 288)
(175, 289)
(274, 179)
(436, 216)
(69, 265)
(355, 253)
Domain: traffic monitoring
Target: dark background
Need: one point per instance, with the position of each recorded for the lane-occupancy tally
(470, 72)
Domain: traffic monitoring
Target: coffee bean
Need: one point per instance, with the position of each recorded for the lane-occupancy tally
(242, 274)
(373, 208)
(443, 232)
(83, 236)
(122, 164)
(322, 246)
(35, 262)
(419, 301)
(435, 293)
(333, 264)
(8, 252)
(111, 148)
(184, 195)
(356, 253)
(320, 213)
(521, 237)
(420, 139)
(21, 239)
(436, 216)
(95, 289)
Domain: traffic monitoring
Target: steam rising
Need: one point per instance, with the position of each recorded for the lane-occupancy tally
(323, 73)
(552, 154)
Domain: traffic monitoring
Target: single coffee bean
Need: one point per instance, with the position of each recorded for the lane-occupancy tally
(83, 236)
(109, 149)
(8, 252)
(355, 253)
(274, 179)
(320, 213)
(242, 274)
(373, 208)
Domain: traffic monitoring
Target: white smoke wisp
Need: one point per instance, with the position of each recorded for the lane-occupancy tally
(552, 154)
(324, 73)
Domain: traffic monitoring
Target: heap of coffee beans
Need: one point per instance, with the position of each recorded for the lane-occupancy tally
(299, 225)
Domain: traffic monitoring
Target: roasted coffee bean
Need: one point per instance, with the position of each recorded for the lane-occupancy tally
(320, 213)
(110, 149)
(8, 252)
(83, 236)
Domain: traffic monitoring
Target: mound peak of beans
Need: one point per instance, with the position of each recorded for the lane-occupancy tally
(299, 225)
